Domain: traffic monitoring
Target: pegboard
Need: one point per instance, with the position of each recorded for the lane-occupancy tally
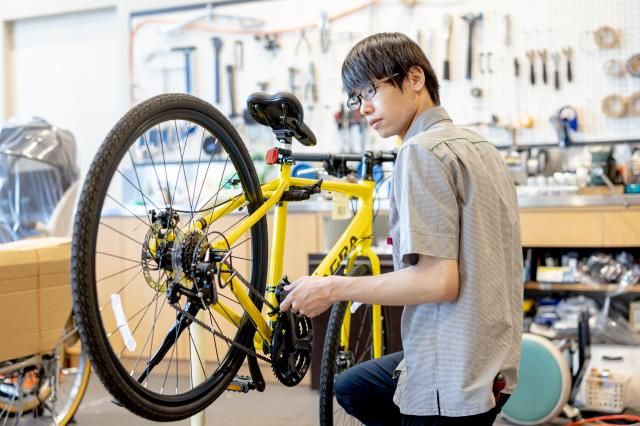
(542, 24)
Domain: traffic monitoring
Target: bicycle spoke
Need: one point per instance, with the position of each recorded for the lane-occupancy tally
(119, 291)
(205, 177)
(229, 298)
(155, 319)
(119, 257)
(155, 171)
(117, 273)
(195, 347)
(166, 374)
(135, 170)
(181, 167)
(144, 308)
(132, 213)
(366, 311)
(215, 344)
(120, 233)
(166, 175)
(194, 205)
(133, 333)
(139, 190)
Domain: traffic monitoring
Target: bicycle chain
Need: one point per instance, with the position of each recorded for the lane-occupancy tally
(244, 281)
(222, 336)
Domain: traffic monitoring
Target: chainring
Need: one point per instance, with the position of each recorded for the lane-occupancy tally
(291, 348)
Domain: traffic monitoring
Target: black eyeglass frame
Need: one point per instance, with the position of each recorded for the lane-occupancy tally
(355, 101)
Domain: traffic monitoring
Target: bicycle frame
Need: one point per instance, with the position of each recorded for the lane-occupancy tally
(354, 242)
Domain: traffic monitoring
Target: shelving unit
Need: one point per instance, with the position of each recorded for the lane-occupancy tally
(577, 287)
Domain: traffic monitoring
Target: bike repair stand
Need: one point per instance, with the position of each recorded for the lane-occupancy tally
(196, 346)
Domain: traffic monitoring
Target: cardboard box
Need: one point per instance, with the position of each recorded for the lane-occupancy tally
(35, 295)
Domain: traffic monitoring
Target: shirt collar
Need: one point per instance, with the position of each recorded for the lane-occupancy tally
(427, 119)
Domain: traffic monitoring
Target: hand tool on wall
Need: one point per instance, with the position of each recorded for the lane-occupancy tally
(614, 106)
(238, 54)
(186, 51)
(543, 58)
(293, 87)
(471, 20)
(270, 42)
(217, 48)
(303, 41)
(310, 88)
(555, 57)
(568, 54)
(634, 104)
(448, 28)
(484, 62)
(606, 37)
(323, 27)
(232, 90)
(531, 55)
(507, 30)
(428, 48)
(633, 65)
(564, 120)
(476, 92)
(613, 68)
(516, 67)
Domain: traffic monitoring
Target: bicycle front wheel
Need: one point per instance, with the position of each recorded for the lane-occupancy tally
(337, 356)
(156, 337)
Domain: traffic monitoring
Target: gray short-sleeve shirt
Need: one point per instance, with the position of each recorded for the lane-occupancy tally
(453, 197)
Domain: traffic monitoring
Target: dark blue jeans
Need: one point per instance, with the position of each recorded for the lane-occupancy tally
(365, 391)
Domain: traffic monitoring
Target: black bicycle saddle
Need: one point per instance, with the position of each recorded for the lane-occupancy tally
(282, 112)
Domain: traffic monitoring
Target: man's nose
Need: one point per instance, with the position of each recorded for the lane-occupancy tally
(366, 107)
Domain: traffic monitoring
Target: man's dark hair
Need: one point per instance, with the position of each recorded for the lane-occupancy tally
(382, 55)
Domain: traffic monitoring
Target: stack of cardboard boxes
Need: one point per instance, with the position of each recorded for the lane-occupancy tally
(35, 295)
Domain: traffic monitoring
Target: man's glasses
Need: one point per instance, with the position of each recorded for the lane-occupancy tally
(367, 92)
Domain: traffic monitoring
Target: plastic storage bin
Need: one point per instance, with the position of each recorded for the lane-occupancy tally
(606, 393)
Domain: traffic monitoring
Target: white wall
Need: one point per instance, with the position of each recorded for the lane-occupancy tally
(64, 71)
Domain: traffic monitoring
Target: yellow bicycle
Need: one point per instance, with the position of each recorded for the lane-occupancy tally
(172, 288)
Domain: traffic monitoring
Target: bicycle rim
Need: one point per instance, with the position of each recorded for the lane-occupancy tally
(134, 240)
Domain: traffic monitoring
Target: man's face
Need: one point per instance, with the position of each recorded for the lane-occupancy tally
(391, 110)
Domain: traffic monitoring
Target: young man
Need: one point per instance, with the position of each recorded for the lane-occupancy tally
(455, 232)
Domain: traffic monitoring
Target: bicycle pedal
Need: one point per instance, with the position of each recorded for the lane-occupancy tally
(241, 384)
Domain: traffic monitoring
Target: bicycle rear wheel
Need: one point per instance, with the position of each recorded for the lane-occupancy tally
(136, 254)
(336, 358)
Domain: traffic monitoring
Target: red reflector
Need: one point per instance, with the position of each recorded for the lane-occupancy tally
(389, 241)
(272, 156)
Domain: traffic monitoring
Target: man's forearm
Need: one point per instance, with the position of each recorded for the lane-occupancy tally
(410, 286)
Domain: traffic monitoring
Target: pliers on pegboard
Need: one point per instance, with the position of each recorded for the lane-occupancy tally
(303, 40)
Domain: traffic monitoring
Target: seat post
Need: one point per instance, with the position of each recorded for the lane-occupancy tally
(285, 154)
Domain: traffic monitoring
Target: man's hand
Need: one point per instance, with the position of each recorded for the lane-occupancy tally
(309, 296)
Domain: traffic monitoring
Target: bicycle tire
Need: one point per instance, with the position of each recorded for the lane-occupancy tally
(143, 120)
(332, 348)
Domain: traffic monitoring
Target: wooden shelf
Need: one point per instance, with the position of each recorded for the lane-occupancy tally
(598, 288)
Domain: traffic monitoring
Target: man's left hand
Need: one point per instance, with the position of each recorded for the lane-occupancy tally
(309, 296)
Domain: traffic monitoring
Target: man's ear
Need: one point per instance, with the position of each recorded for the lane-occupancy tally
(415, 76)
